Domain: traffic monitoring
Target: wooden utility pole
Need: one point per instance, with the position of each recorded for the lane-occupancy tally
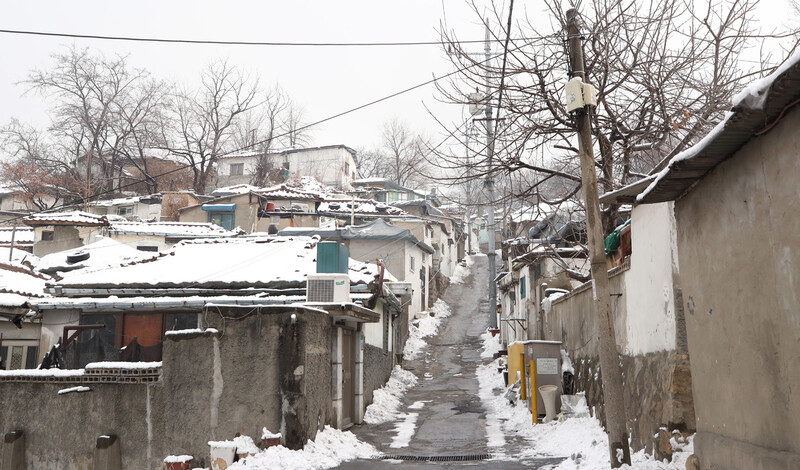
(613, 399)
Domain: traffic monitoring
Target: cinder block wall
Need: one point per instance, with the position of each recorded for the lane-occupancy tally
(255, 376)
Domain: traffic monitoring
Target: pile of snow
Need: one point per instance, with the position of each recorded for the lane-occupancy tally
(461, 272)
(245, 445)
(386, 400)
(581, 440)
(427, 325)
(491, 345)
(330, 448)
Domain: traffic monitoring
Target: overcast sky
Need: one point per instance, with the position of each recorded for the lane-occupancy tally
(325, 80)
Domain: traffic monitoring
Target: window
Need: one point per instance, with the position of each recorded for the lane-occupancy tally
(223, 219)
(181, 321)
(125, 210)
(411, 265)
(237, 169)
(147, 248)
(346, 167)
(522, 286)
(19, 354)
(47, 235)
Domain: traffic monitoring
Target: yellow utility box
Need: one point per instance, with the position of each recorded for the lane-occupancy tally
(516, 363)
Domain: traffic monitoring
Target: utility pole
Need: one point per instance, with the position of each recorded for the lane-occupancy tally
(613, 398)
(469, 197)
(490, 188)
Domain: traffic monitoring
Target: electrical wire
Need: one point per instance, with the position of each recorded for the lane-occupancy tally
(248, 43)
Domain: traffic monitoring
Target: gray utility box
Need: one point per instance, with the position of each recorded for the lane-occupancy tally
(547, 355)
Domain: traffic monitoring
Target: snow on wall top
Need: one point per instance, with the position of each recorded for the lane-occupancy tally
(170, 229)
(66, 218)
(236, 262)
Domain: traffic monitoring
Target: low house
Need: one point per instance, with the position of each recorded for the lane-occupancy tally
(735, 202)
(334, 165)
(172, 201)
(59, 231)
(231, 335)
(131, 208)
(404, 255)
(236, 208)
(384, 190)
(19, 331)
(159, 236)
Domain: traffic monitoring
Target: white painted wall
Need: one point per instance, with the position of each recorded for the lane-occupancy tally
(649, 283)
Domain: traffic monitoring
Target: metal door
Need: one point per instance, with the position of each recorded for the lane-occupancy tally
(348, 386)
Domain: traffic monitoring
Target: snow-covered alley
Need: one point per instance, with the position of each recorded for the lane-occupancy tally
(455, 407)
(449, 401)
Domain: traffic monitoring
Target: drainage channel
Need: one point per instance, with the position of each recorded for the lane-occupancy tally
(437, 458)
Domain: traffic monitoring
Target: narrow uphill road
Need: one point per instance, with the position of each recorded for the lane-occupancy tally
(442, 416)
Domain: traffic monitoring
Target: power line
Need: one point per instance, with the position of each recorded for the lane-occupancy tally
(242, 43)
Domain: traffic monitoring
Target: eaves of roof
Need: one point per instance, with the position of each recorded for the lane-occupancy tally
(741, 125)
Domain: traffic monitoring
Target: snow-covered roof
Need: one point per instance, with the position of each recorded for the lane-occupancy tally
(170, 229)
(235, 189)
(428, 208)
(17, 280)
(377, 229)
(359, 207)
(230, 263)
(66, 218)
(755, 110)
(22, 235)
(122, 201)
(101, 254)
(289, 192)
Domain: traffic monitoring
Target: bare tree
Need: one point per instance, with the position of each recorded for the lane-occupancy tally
(203, 120)
(42, 175)
(88, 93)
(293, 129)
(665, 74)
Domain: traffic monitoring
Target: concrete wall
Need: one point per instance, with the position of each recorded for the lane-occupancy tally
(396, 254)
(651, 284)
(377, 369)
(262, 372)
(65, 237)
(657, 385)
(738, 234)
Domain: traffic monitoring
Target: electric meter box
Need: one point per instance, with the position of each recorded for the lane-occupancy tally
(579, 94)
(547, 358)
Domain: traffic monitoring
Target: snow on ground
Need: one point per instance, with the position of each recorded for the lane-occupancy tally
(462, 271)
(330, 448)
(386, 400)
(582, 441)
(491, 345)
(426, 325)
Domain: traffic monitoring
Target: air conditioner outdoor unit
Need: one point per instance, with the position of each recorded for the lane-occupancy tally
(328, 288)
